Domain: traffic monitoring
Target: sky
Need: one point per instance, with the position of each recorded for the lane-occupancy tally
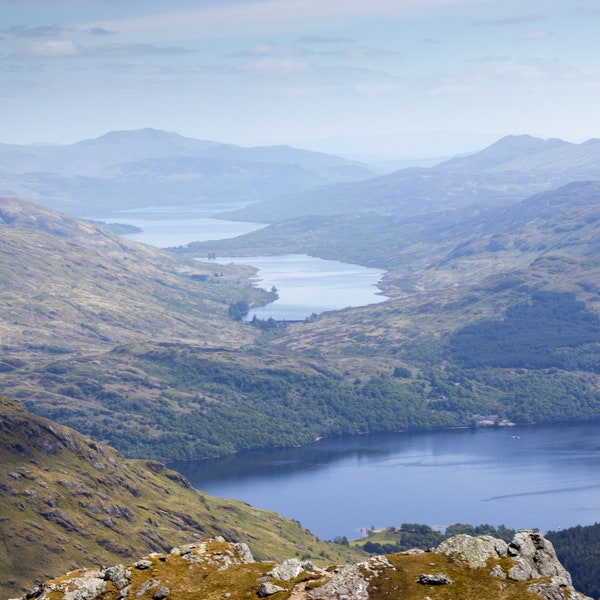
(362, 78)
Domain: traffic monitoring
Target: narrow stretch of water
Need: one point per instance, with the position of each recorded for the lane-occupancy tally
(307, 285)
(523, 477)
(173, 226)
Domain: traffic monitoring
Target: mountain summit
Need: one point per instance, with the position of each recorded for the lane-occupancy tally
(506, 149)
(461, 567)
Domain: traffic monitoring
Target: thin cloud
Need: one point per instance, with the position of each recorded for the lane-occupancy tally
(587, 10)
(268, 48)
(321, 40)
(276, 67)
(530, 69)
(69, 49)
(99, 31)
(522, 20)
(49, 49)
(133, 50)
(536, 36)
(361, 52)
(21, 31)
(264, 16)
(49, 31)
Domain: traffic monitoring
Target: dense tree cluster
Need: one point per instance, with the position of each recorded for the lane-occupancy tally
(415, 535)
(578, 549)
(550, 331)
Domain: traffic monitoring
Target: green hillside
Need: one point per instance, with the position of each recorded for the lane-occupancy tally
(490, 312)
(71, 287)
(68, 502)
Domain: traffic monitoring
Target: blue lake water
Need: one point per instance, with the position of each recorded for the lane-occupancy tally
(305, 284)
(538, 476)
(172, 226)
(308, 285)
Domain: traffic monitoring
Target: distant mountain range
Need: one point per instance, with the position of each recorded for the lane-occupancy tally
(129, 169)
(509, 170)
(134, 169)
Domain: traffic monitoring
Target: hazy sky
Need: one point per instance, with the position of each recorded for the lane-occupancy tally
(386, 77)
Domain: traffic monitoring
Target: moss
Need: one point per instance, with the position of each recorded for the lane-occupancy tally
(468, 583)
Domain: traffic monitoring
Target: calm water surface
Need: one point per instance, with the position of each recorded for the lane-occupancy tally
(545, 477)
(172, 226)
(305, 284)
(308, 285)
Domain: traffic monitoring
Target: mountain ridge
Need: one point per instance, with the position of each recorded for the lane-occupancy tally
(507, 149)
(464, 566)
(102, 175)
(504, 173)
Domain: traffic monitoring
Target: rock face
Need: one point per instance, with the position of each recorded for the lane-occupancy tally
(476, 551)
(533, 558)
(214, 568)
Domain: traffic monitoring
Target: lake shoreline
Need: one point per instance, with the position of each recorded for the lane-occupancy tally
(526, 476)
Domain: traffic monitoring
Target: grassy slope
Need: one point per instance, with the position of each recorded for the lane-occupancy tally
(213, 570)
(178, 393)
(66, 502)
(68, 286)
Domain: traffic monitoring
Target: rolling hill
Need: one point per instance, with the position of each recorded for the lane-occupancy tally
(68, 502)
(508, 171)
(176, 377)
(131, 169)
(69, 286)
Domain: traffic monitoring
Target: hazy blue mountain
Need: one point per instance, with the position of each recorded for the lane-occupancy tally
(508, 171)
(128, 169)
(507, 150)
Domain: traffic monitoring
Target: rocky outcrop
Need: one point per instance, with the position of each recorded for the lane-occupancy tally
(476, 551)
(214, 568)
(434, 579)
(533, 557)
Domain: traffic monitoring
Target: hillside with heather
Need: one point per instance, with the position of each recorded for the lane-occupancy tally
(68, 502)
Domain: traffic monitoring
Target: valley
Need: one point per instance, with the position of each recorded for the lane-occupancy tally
(174, 376)
(491, 270)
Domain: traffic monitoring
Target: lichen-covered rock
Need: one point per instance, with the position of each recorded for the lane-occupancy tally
(351, 581)
(83, 585)
(161, 593)
(287, 570)
(243, 552)
(119, 576)
(535, 557)
(347, 582)
(268, 589)
(215, 568)
(474, 550)
(434, 579)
